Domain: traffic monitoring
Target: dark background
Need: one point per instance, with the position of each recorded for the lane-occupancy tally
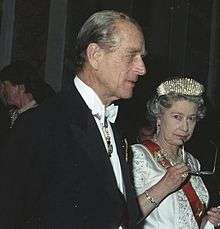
(182, 37)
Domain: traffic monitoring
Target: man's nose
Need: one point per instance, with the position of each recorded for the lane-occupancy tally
(139, 67)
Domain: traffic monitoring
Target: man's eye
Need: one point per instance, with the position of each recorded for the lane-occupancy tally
(130, 58)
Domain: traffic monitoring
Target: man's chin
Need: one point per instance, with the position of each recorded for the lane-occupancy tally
(124, 95)
(128, 95)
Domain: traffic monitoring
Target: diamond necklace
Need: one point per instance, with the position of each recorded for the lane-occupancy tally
(174, 159)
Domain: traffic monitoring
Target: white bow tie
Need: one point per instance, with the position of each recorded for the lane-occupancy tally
(111, 113)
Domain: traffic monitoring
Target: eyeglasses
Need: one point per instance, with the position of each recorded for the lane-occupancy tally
(205, 172)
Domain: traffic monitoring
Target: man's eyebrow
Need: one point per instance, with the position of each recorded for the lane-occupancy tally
(135, 50)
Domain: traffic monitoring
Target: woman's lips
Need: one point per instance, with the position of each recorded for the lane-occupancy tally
(183, 137)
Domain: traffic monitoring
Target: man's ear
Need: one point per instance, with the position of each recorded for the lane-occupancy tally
(94, 53)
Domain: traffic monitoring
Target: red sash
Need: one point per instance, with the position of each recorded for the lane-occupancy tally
(197, 206)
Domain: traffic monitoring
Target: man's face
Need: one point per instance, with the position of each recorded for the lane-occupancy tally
(120, 68)
(9, 93)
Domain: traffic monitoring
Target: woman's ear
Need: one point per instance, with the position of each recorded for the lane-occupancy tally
(94, 52)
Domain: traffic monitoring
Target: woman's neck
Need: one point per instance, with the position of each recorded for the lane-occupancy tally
(172, 153)
(168, 148)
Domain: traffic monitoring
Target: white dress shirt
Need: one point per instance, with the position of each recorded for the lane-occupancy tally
(98, 110)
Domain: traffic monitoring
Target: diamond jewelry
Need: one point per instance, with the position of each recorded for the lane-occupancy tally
(183, 86)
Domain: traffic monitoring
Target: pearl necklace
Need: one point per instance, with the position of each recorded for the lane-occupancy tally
(174, 159)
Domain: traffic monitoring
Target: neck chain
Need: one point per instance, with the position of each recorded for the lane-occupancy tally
(107, 137)
(174, 159)
(13, 114)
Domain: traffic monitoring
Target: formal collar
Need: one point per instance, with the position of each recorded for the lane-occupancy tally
(94, 103)
(111, 113)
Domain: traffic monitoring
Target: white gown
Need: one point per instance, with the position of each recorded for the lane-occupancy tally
(174, 212)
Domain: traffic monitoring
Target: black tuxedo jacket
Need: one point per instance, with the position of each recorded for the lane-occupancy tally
(56, 173)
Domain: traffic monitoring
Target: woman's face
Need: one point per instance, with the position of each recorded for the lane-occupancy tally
(177, 123)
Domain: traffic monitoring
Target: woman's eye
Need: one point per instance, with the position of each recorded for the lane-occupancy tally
(193, 118)
(178, 117)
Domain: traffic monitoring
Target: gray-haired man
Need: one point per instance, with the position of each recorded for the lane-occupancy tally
(76, 174)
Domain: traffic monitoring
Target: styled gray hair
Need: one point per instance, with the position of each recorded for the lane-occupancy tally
(99, 28)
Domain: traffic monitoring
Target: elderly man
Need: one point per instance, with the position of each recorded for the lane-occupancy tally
(71, 172)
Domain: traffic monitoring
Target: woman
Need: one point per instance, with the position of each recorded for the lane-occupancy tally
(168, 195)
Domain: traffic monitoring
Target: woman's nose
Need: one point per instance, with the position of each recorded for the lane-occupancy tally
(185, 126)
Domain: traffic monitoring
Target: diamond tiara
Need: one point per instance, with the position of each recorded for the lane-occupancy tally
(183, 86)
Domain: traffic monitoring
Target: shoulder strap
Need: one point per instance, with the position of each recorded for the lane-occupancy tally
(197, 206)
(152, 146)
(155, 150)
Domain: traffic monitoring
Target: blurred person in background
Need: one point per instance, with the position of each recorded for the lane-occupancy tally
(22, 89)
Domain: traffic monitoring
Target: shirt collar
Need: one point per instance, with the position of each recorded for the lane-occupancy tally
(91, 99)
(94, 102)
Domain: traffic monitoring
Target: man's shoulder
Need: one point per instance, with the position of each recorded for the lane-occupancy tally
(55, 112)
(60, 104)
(63, 106)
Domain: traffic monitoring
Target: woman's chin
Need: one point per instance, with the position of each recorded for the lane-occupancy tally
(180, 142)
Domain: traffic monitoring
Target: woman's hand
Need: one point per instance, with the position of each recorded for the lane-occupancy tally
(214, 216)
(174, 177)
(169, 183)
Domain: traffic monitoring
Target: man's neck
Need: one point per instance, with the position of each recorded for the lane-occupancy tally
(90, 80)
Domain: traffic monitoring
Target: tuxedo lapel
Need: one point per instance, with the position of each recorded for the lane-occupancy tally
(85, 131)
(122, 154)
(122, 149)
